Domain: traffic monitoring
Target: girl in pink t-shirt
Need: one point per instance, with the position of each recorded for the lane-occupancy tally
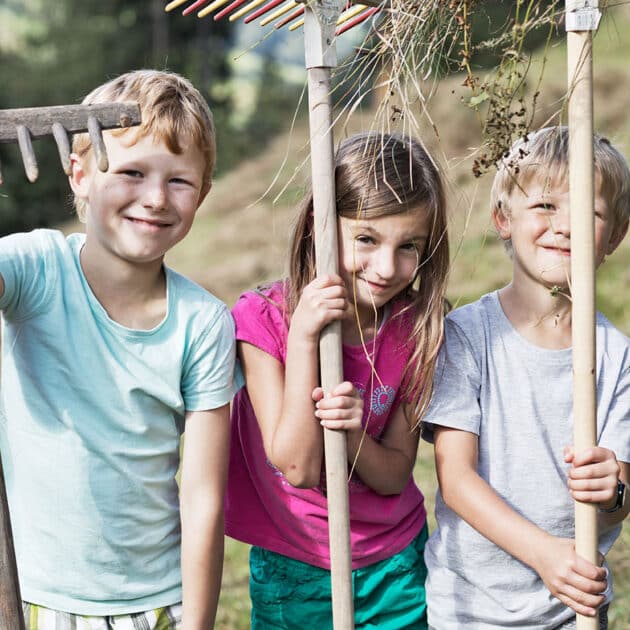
(393, 254)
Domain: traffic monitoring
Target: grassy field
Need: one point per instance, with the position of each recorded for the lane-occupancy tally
(240, 236)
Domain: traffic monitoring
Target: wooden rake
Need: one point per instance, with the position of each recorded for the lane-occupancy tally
(323, 21)
(21, 126)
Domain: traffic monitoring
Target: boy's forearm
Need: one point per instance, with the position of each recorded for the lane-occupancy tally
(202, 488)
(202, 568)
(475, 501)
(468, 495)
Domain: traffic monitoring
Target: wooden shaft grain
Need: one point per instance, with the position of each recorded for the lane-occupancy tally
(331, 364)
(581, 191)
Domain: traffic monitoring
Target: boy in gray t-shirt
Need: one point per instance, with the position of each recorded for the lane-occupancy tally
(501, 417)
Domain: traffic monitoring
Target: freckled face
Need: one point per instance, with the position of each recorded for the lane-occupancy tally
(538, 224)
(380, 257)
(145, 203)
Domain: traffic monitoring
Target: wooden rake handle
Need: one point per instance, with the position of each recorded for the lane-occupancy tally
(10, 600)
(21, 126)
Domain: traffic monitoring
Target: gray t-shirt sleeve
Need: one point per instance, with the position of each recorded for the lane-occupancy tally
(615, 422)
(457, 380)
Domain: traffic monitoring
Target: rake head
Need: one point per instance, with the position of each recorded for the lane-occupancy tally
(22, 125)
(286, 12)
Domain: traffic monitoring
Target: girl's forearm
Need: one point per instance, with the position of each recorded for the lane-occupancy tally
(296, 447)
(385, 470)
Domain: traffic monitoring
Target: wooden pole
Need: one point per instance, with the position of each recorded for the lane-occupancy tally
(581, 190)
(319, 29)
(10, 600)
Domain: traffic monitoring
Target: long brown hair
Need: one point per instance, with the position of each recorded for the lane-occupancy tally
(376, 175)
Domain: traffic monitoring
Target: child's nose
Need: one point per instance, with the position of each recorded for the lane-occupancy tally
(386, 263)
(562, 220)
(155, 195)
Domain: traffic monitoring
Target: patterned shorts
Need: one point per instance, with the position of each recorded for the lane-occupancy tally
(40, 618)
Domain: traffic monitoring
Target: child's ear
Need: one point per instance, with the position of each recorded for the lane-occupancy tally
(501, 221)
(617, 236)
(79, 180)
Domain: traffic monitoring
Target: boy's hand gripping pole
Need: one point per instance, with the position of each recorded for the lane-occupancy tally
(21, 126)
(320, 19)
(582, 18)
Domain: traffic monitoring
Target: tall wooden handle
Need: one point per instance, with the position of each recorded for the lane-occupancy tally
(10, 600)
(331, 362)
(581, 190)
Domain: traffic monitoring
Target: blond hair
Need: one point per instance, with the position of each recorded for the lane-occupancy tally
(544, 154)
(376, 175)
(172, 109)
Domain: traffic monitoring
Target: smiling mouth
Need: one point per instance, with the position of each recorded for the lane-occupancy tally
(148, 222)
(559, 251)
(374, 286)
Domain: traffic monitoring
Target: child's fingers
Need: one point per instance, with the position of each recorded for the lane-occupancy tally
(593, 574)
(341, 425)
(594, 455)
(344, 405)
(582, 603)
(338, 411)
(332, 282)
(318, 394)
(344, 389)
(569, 454)
(584, 587)
(593, 476)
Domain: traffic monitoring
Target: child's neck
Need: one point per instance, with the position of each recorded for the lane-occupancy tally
(543, 317)
(133, 296)
(362, 327)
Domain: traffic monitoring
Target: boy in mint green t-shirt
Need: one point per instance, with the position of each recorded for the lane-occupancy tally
(108, 356)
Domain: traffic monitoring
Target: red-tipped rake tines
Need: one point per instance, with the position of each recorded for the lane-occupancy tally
(355, 13)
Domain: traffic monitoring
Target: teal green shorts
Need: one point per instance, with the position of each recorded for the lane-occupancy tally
(292, 595)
